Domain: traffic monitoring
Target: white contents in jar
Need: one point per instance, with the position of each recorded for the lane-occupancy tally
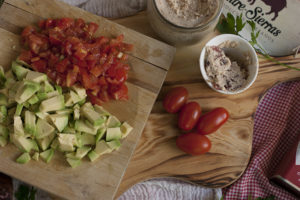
(188, 13)
(224, 74)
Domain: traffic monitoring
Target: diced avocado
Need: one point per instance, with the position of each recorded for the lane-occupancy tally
(26, 90)
(42, 115)
(71, 155)
(18, 126)
(73, 162)
(58, 88)
(65, 111)
(35, 146)
(9, 82)
(42, 95)
(125, 129)
(45, 142)
(3, 100)
(60, 121)
(53, 104)
(36, 76)
(75, 98)
(19, 109)
(19, 70)
(114, 144)
(44, 129)
(21, 142)
(82, 126)
(100, 134)
(3, 114)
(68, 100)
(2, 77)
(113, 134)
(93, 156)
(80, 91)
(36, 156)
(46, 156)
(102, 148)
(76, 112)
(67, 142)
(33, 100)
(112, 122)
(101, 110)
(4, 132)
(10, 115)
(83, 151)
(24, 158)
(30, 122)
(26, 104)
(55, 143)
(69, 130)
(3, 141)
(10, 74)
(47, 87)
(52, 94)
(88, 105)
(82, 102)
(95, 118)
(87, 139)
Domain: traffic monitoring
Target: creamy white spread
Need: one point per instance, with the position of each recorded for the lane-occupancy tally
(224, 73)
(188, 13)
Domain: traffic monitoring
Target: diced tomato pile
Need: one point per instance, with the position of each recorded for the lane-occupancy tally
(66, 50)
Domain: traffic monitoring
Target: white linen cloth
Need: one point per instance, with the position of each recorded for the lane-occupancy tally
(154, 189)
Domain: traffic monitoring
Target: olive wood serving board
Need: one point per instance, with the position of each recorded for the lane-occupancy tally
(156, 154)
(150, 58)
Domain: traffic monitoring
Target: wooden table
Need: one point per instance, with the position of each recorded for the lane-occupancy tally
(156, 154)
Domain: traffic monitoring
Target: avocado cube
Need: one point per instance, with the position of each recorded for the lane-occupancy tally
(44, 129)
(3, 114)
(30, 122)
(71, 155)
(3, 100)
(4, 132)
(82, 126)
(102, 148)
(21, 62)
(59, 89)
(2, 77)
(60, 121)
(24, 158)
(75, 98)
(68, 100)
(101, 110)
(81, 152)
(112, 122)
(33, 100)
(87, 139)
(69, 130)
(47, 87)
(113, 134)
(52, 94)
(3, 141)
(125, 129)
(42, 115)
(36, 156)
(80, 91)
(46, 156)
(114, 144)
(18, 126)
(100, 134)
(19, 109)
(55, 143)
(88, 105)
(76, 112)
(80, 103)
(45, 142)
(67, 142)
(73, 162)
(36, 76)
(65, 111)
(95, 118)
(93, 156)
(42, 96)
(53, 104)
(19, 70)
(35, 146)
(26, 90)
(21, 142)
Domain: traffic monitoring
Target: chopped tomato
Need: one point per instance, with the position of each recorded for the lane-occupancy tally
(25, 56)
(92, 28)
(119, 92)
(62, 65)
(39, 65)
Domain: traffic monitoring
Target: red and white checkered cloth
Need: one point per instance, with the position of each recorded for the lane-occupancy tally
(277, 125)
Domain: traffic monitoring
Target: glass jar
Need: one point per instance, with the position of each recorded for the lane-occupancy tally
(176, 34)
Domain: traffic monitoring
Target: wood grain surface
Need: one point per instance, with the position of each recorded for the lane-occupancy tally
(100, 179)
(156, 154)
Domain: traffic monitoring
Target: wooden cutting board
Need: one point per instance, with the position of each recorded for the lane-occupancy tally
(156, 154)
(150, 58)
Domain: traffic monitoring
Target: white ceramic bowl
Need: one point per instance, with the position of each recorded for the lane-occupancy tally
(242, 48)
